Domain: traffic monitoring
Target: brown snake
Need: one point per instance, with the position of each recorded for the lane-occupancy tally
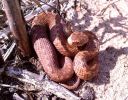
(48, 37)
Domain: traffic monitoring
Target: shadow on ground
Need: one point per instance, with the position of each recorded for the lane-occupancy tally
(108, 59)
(113, 25)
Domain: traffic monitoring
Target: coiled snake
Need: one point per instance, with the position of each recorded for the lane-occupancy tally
(60, 55)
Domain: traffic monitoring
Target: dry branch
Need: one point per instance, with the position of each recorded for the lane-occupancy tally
(17, 25)
(39, 84)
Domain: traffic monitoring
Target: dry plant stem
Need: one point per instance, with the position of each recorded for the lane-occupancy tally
(46, 6)
(1, 59)
(17, 25)
(11, 86)
(52, 6)
(58, 6)
(1, 63)
(101, 12)
(9, 51)
(39, 84)
(37, 2)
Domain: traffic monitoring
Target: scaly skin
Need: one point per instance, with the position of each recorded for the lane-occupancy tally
(85, 64)
(57, 36)
(48, 57)
(74, 86)
(48, 35)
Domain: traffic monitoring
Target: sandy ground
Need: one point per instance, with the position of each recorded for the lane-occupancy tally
(108, 19)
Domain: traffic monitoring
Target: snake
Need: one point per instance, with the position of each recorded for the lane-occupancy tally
(61, 53)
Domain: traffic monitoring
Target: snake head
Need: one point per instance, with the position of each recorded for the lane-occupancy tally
(78, 39)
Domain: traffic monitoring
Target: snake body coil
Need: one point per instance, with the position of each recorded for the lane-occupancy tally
(48, 37)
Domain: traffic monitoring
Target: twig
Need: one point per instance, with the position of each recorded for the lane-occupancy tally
(1, 59)
(34, 79)
(17, 25)
(58, 7)
(51, 6)
(10, 86)
(37, 2)
(75, 4)
(9, 51)
(45, 7)
(105, 8)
